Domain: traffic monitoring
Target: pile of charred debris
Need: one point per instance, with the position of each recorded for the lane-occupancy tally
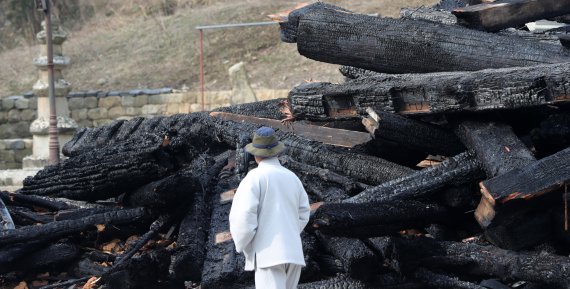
(441, 162)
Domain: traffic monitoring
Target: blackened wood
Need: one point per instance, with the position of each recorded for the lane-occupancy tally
(475, 261)
(485, 90)
(6, 222)
(535, 179)
(165, 193)
(264, 109)
(552, 134)
(23, 216)
(50, 257)
(108, 171)
(429, 14)
(46, 203)
(341, 281)
(86, 267)
(327, 135)
(81, 213)
(145, 271)
(496, 146)
(448, 5)
(349, 186)
(69, 282)
(223, 266)
(311, 250)
(460, 169)
(373, 219)
(441, 281)
(123, 259)
(328, 34)
(413, 134)
(188, 259)
(509, 13)
(61, 228)
(351, 72)
(357, 259)
(10, 254)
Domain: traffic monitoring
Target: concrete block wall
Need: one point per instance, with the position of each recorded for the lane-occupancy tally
(97, 108)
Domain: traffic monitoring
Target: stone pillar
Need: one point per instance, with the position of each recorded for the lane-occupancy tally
(65, 124)
(241, 90)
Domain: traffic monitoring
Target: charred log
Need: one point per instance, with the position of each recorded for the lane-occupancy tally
(188, 259)
(357, 259)
(373, 219)
(23, 216)
(46, 203)
(447, 92)
(429, 14)
(271, 109)
(58, 229)
(49, 257)
(441, 281)
(477, 260)
(552, 134)
(496, 147)
(145, 271)
(106, 172)
(10, 254)
(328, 33)
(338, 282)
(413, 134)
(460, 169)
(82, 213)
(513, 13)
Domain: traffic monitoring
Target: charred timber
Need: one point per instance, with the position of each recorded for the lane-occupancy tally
(498, 15)
(271, 109)
(538, 178)
(330, 34)
(374, 219)
(31, 201)
(106, 172)
(460, 169)
(441, 281)
(357, 259)
(50, 257)
(188, 259)
(496, 147)
(552, 134)
(429, 14)
(477, 260)
(413, 134)
(58, 229)
(445, 92)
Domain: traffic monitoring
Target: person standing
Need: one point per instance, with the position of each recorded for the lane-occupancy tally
(269, 211)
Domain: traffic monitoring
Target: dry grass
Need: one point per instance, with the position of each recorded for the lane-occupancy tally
(129, 44)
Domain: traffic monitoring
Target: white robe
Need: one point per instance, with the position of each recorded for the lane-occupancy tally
(269, 211)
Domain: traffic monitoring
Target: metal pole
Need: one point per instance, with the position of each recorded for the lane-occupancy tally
(52, 131)
(201, 69)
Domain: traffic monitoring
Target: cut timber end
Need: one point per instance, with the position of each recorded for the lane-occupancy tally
(315, 206)
(486, 194)
(485, 213)
(223, 237)
(414, 108)
(561, 98)
(227, 196)
(370, 125)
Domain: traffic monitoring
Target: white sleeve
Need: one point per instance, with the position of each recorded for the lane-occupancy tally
(243, 214)
(304, 208)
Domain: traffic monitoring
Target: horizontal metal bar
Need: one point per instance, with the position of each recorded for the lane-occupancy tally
(236, 25)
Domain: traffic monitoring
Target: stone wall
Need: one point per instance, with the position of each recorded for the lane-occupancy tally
(97, 108)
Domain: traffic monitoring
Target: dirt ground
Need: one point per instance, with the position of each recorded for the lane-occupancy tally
(116, 50)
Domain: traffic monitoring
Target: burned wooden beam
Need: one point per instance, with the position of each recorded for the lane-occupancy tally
(460, 169)
(188, 259)
(413, 134)
(331, 34)
(145, 271)
(530, 181)
(61, 228)
(552, 134)
(509, 13)
(326, 135)
(429, 14)
(270, 109)
(374, 219)
(31, 201)
(53, 255)
(485, 90)
(496, 146)
(474, 261)
(108, 171)
(441, 281)
(356, 258)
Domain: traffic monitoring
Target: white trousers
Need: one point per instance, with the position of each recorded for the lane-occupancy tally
(283, 276)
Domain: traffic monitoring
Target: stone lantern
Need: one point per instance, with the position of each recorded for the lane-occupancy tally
(65, 124)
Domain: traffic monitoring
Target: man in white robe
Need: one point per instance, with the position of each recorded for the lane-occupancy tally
(268, 214)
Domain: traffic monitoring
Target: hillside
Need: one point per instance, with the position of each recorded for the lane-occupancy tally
(128, 45)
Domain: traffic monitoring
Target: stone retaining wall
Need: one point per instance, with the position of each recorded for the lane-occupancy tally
(96, 108)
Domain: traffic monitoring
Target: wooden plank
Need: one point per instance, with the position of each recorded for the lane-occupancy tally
(327, 135)
(509, 13)
(538, 178)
